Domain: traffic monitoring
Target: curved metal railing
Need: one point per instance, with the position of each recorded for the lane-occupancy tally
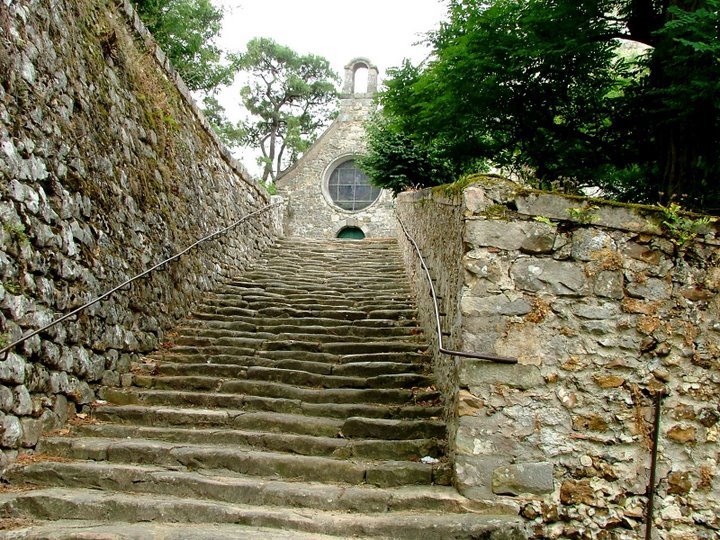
(433, 294)
(5, 350)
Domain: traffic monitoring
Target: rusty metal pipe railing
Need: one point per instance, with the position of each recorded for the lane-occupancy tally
(433, 294)
(652, 482)
(5, 350)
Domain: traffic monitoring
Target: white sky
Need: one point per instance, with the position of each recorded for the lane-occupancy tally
(383, 31)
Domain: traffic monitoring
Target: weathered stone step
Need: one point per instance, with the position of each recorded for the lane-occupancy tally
(241, 489)
(288, 390)
(318, 288)
(274, 423)
(315, 305)
(266, 323)
(204, 336)
(360, 427)
(94, 505)
(67, 529)
(326, 264)
(346, 347)
(299, 278)
(258, 439)
(221, 329)
(131, 396)
(236, 295)
(218, 366)
(243, 340)
(201, 378)
(245, 461)
(219, 418)
(311, 356)
(309, 289)
(212, 350)
(305, 378)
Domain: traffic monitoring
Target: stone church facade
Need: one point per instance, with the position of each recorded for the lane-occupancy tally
(327, 195)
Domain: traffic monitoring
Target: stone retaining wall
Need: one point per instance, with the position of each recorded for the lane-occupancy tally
(106, 168)
(604, 307)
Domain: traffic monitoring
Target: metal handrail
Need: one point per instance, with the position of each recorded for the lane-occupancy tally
(441, 348)
(5, 350)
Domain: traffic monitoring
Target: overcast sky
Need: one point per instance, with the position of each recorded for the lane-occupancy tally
(383, 31)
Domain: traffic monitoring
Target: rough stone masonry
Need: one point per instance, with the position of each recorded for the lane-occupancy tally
(604, 305)
(106, 168)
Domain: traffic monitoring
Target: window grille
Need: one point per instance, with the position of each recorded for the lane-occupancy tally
(350, 188)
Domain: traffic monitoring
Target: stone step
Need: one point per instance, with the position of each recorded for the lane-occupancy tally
(266, 323)
(287, 389)
(274, 423)
(241, 489)
(315, 298)
(243, 355)
(218, 366)
(67, 529)
(309, 290)
(313, 356)
(305, 445)
(207, 336)
(316, 306)
(169, 398)
(213, 328)
(271, 422)
(94, 505)
(298, 278)
(268, 464)
(305, 378)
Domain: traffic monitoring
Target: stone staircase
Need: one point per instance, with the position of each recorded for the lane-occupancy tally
(296, 402)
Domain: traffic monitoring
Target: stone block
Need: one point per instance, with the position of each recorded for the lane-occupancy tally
(10, 431)
(479, 372)
(473, 475)
(538, 243)
(522, 478)
(468, 404)
(587, 243)
(475, 199)
(577, 492)
(32, 428)
(550, 276)
(546, 205)
(497, 304)
(609, 284)
(495, 233)
(596, 310)
(12, 370)
(22, 404)
(506, 235)
(6, 398)
(652, 289)
(555, 206)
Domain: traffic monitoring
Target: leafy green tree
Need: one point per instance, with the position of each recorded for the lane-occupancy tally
(186, 30)
(672, 113)
(230, 134)
(399, 162)
(538, 86)
(290, 97)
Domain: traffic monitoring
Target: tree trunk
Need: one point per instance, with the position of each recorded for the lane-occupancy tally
(268, 169)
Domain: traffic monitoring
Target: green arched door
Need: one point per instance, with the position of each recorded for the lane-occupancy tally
(351, 233)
